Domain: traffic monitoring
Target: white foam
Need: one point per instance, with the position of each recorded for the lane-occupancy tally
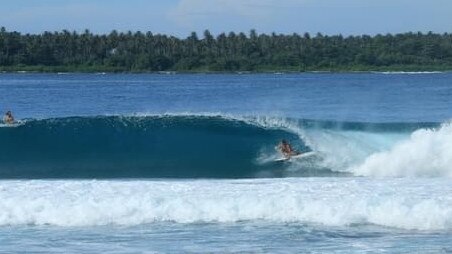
(427, 152)
(423, 153)
(422, 204)
(17, 123)
(340, 150)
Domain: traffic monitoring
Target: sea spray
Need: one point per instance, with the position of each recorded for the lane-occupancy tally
(427, 152)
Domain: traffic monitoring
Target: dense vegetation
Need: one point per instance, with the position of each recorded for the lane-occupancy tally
(71, 51)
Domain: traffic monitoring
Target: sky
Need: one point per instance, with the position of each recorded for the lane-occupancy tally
(181, 17)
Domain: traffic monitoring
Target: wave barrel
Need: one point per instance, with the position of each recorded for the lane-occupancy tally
(136, 147)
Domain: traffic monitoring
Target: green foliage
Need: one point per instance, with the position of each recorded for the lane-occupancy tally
(138, 52)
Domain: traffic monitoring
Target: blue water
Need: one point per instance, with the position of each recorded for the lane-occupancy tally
(352, 97)
(186, 163)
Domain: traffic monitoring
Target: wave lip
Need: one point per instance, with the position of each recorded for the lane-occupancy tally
(400, 203)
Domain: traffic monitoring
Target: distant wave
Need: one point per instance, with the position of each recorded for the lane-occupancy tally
(410, 72)
(218, 146)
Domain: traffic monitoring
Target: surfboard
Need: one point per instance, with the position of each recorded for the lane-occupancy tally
(11, 125)
(298, 156)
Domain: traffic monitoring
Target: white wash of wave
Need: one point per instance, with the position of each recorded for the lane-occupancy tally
(423, 153)
(404, 203)
(342, 150)
(12, 125)
(427, 152)
(338, 149)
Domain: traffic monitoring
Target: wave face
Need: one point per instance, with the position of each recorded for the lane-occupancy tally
(150, 146)
(214, 146)
(420, 204)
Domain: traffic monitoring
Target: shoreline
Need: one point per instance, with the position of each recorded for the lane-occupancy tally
(101, 71)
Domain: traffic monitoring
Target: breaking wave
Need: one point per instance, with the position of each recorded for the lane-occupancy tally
(427, 152)
(219, 146)
(420, 204)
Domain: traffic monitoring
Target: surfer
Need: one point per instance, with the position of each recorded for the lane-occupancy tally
(286, 149)
(8, 118)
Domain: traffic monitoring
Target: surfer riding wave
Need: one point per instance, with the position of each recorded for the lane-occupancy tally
(286, 149)
(8, 118)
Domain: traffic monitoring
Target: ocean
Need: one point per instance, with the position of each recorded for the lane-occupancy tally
(186, 163)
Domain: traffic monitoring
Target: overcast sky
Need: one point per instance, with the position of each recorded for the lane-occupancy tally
(180, 17)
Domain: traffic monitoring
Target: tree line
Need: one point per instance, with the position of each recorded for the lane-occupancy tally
(137, 51)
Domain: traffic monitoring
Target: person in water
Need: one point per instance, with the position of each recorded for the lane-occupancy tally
(286, 149)
(8, 118)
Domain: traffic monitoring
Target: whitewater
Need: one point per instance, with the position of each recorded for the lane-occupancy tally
(186, 163)
(312, 201)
